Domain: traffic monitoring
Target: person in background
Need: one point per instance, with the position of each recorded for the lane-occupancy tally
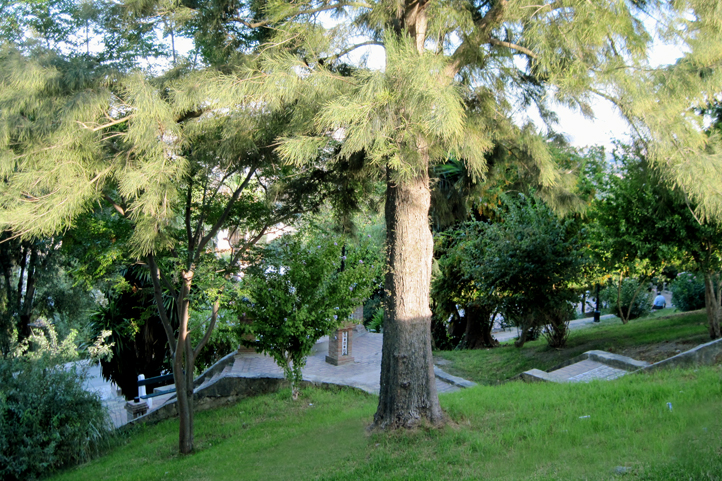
(659, 302)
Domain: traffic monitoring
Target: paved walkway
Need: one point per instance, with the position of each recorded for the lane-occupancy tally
(364, 373)
(108, 395)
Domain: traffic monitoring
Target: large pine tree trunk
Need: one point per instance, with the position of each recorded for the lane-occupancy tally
(408, 387)
(713, 303)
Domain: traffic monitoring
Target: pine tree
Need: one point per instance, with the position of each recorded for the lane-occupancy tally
(453, 75)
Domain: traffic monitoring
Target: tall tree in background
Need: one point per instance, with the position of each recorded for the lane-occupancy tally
(179, 171)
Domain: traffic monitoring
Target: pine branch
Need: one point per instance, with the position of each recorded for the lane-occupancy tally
(350, 49)
(481, 35)
(155, 277)
(310, 11)
(192, 114)
(513, 46)
(116, 206)
(219, 223)
(105, 126)
(206, 201)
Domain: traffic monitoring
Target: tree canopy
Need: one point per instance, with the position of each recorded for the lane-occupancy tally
(278, 87)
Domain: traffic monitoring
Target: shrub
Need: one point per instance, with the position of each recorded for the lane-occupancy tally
(688, 291)
(642, 302)
(300, 289)
(47, 418)
(377, 321)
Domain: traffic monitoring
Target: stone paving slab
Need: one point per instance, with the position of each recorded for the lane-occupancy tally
(574, 370)
(604, 373)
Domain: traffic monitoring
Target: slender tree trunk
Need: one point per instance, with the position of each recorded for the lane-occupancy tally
(408, 386)
(527, 325)
(183, 368)
(713, 303)
(619, 300)
(26, 299)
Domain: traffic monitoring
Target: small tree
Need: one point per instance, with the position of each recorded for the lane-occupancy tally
(299, 290)
(530, 261)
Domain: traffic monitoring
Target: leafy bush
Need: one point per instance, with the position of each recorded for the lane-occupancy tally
(642, 302)
(688, 291)
(47, 418)
(523, 268)
(377, 321)
(300, 289)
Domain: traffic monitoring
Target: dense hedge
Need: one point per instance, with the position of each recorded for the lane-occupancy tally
(47, 419)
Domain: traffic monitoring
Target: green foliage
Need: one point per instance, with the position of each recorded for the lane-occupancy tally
(523, 267)
(688, 291)
(630, 287)
(645, 226)
(377, 321)
(299, 290)
(224, 340)
(139, 342)
(47, 418)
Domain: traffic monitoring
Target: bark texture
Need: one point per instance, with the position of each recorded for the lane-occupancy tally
(408, 387)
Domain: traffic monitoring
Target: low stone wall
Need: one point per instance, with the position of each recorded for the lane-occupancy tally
(218, 392)
(704, 354)
(227, 390)
(604, 357)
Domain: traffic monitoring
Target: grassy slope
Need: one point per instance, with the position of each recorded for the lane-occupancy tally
(515, 431)
(650, 339)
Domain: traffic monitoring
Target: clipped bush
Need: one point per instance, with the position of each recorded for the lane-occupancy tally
(688, 291)
(640, 304)
(47, 419)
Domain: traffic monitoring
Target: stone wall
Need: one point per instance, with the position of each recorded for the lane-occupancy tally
(704, 354)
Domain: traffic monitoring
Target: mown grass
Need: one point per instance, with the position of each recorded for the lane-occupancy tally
(514, 431)
(650, 339)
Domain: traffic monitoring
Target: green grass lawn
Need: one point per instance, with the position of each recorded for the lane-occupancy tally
(514, 431)
(652, 339)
